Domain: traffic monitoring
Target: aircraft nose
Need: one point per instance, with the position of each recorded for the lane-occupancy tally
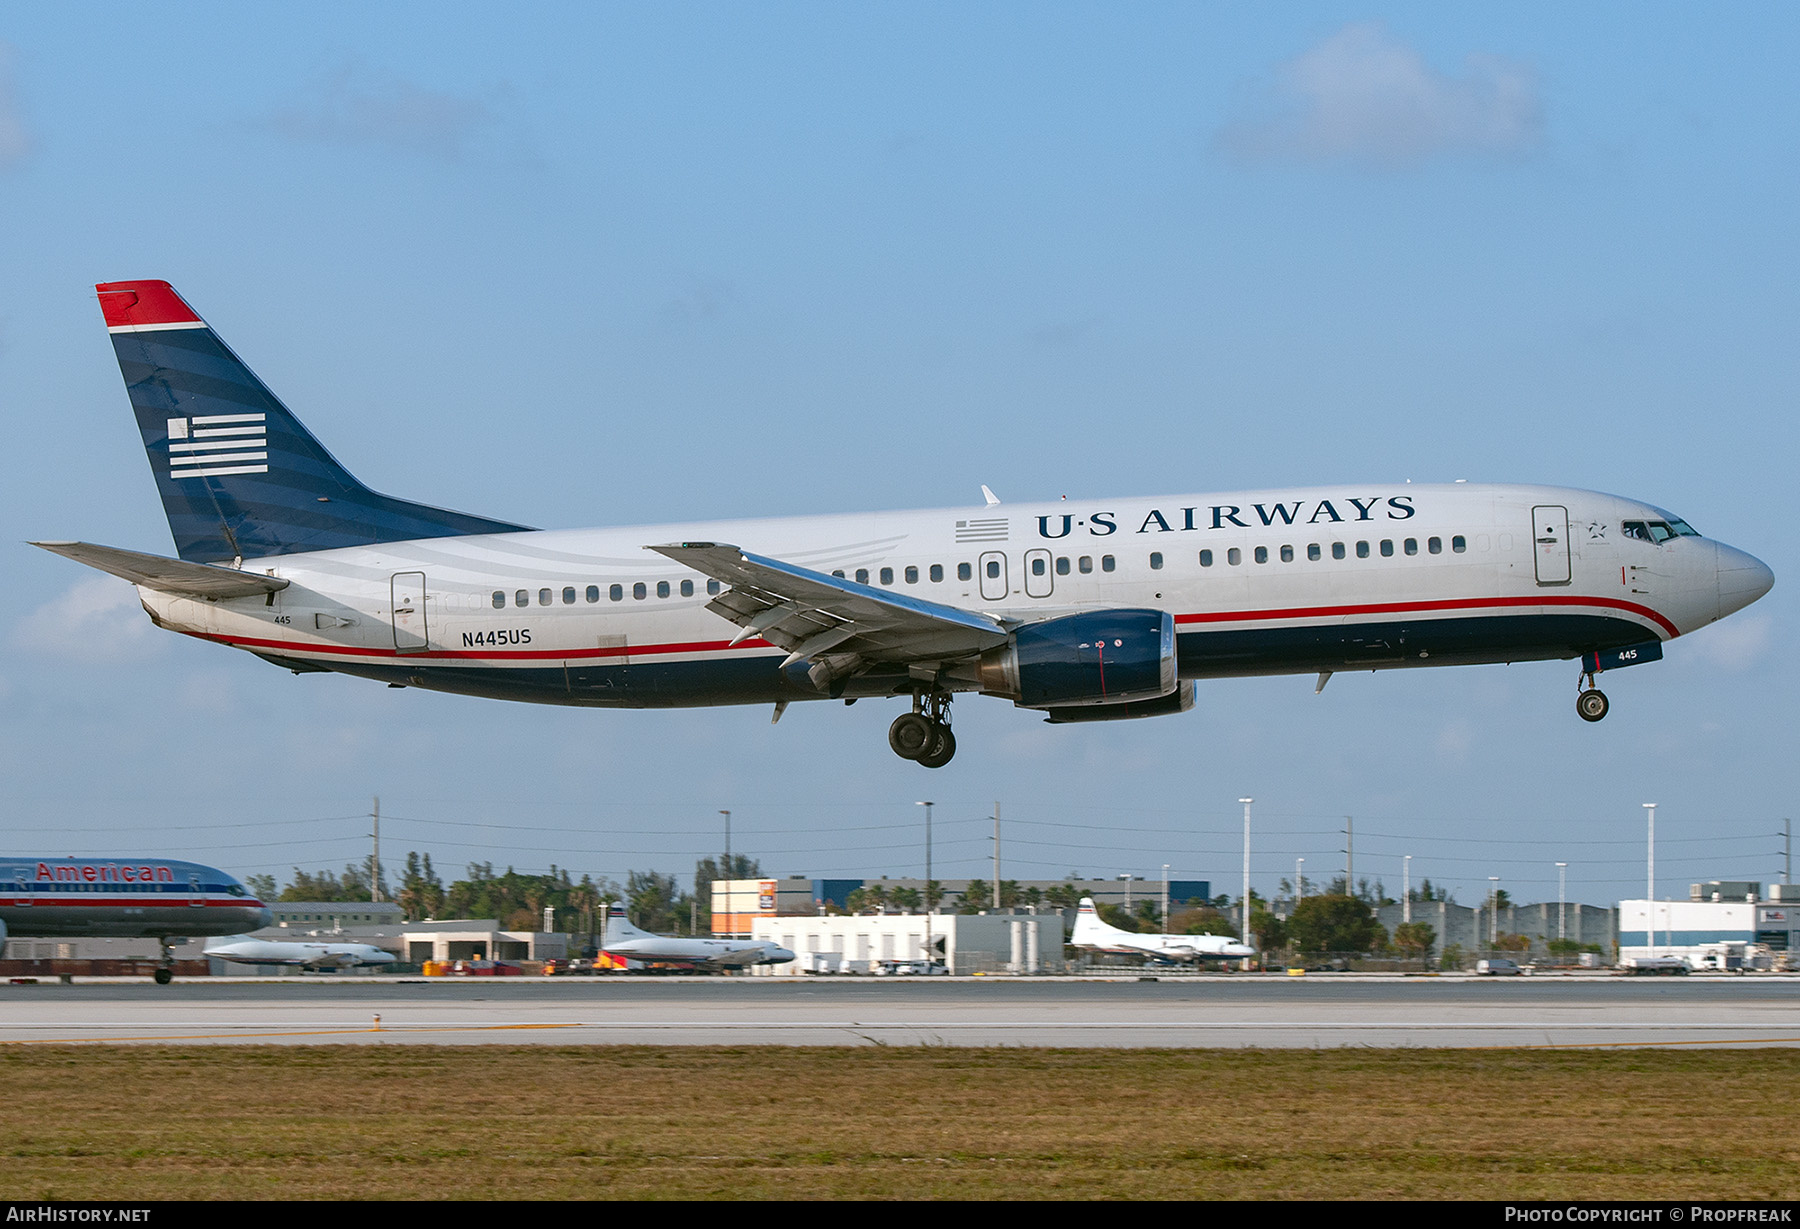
(1742, 579)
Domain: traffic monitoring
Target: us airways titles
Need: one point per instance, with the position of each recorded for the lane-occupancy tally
(1247, 516)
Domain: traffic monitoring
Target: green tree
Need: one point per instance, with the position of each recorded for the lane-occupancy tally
(905, 899)
(1415, 939)
(1335, 923)
(421, 891)
(654, 902)
(1202, 920)
(976, 897)
(263, 887)
(1115, 915)
(1271, 931)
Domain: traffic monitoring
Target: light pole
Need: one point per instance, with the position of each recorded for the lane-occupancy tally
(1165, 902)
(725, 871)
(1299, 880)
(1245, 932)
(1493, 910)
(1562, 897)
(928, 955)
(1650, 880)
(1406, 888)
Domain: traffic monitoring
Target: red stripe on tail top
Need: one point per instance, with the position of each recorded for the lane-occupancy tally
(134, 304)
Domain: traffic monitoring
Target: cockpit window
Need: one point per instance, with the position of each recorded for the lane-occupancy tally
(1658, 531)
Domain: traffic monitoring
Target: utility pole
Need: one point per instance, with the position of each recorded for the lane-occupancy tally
(1787, 851)
(725, 871)
(929, 958)
(996, 892)
(1562, 898)
(1650, 883)
(1244, 933)
(375, 875)
(1406, 888)
(1165, 900)
(1349, 856)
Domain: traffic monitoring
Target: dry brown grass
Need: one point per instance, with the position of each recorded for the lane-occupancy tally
(641, 1122)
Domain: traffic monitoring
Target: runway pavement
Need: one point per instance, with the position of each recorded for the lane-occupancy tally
(1239, 1011)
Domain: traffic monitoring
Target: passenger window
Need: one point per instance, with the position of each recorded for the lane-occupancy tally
(639, 592)
(1234, 556)
(1458, 545)
(993, 569)
(543, 597)
(964, 571)
(593, 593)
(862, 576)
(1362, 550)
(887, 576)
(1206, 559)
(1038, 569)
(1387, 548)
(662, 588)
(1412, 546)
(616, 593)
(838, 572)
(937, 573)
(1106, 563)
(1312, 551)
(1062, 565)
(687, 588)
(1085, 564)
(712, 587)
(522, 598)
(1287, 554)
(569, 596)
(912, 576)
(1337, 550)
(499, 599)
(1435, 545)
(1262, 554)
(1156, 559)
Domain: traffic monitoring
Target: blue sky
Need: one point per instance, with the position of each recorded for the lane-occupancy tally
(581, 265)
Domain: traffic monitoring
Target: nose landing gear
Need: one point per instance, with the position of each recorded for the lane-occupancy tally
(1591, 704)
(923, 735)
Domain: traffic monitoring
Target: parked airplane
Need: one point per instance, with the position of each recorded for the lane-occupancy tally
(245, 950)
(123, 898)
(1088, 610)
(624, 939)
(1096, 936)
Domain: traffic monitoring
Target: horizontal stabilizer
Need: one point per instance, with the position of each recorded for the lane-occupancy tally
(164, 574)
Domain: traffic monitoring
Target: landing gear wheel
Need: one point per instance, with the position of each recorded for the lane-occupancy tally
(942, 749)
(912, 735)
(1592, 705)
(164, 977)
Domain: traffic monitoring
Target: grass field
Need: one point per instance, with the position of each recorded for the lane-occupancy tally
(641, 1122)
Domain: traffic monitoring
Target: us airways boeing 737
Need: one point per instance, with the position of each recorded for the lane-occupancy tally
(1090, 610)
(124, 898)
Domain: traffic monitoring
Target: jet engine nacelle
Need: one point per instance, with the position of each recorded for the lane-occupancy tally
(1103, 657)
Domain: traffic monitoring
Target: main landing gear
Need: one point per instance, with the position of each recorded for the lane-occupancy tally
(165, 966)
(923, 735)
(1591, 703)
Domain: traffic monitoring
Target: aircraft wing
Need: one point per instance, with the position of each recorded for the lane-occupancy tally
(168, 575)
(811, 613)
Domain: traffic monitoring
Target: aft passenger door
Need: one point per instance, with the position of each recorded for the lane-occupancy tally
(410, 633)
(1550, 543)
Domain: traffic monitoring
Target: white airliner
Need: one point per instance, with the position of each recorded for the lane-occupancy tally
(1096, 936)
(1085, 610)
(624, 939)
(245, 950)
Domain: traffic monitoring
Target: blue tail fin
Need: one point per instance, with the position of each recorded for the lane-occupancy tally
(240, 477)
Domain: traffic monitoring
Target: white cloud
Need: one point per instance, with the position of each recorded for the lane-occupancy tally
(1363, 98)
(1734, 644)
(14, 143)
(96, 621)
(355, 106)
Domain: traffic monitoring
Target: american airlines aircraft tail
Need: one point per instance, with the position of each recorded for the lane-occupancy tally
(1087, 610)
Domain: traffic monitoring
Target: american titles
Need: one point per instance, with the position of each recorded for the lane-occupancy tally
(1238, 516)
